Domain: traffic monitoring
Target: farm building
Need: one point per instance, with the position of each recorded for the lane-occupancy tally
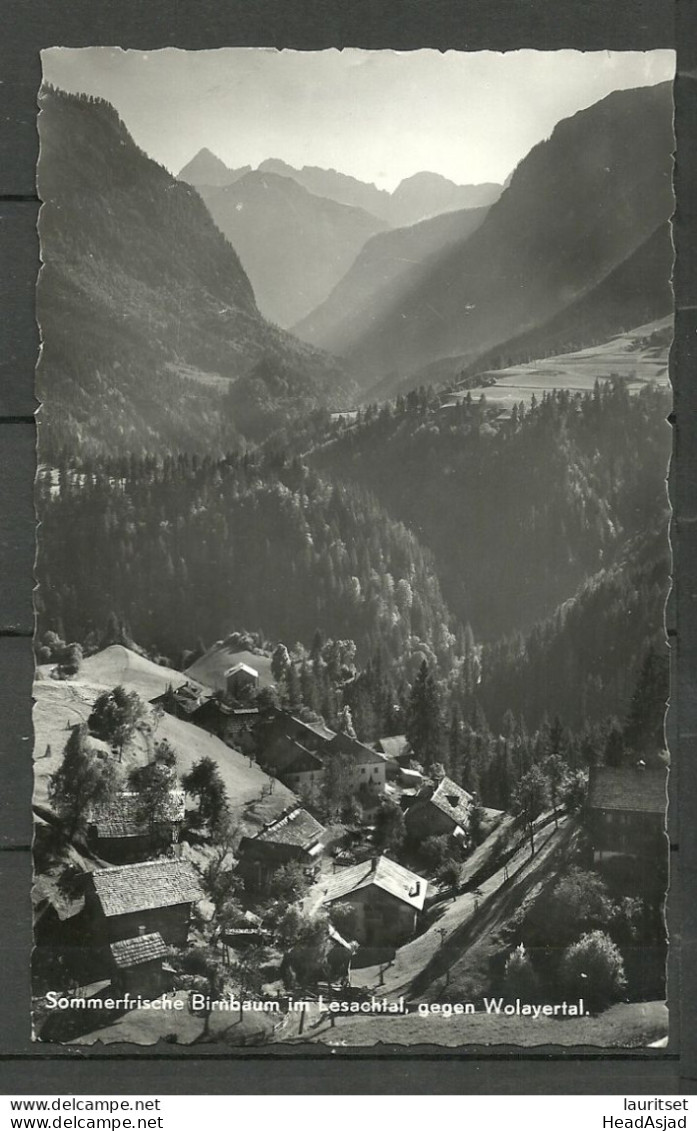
(233, 725)
(626, 812)
(293, 764)
(182, 702)
(240, 680)
(210, 669)
(138, 965)
(439, 811)
(157, 895)
(386, 900)
(294, 837)
(278, 723)
(367, 766)
(395, 749)
(122, 832)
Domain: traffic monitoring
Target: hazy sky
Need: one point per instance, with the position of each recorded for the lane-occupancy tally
(379, 115)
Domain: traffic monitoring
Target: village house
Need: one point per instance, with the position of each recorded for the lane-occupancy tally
(233, 725)
(441, 810)
(386, 900)
(626, 813)
(155, 897)
(395, 749)
(294, 837)
(240, 680)
(121, 832)
(138, 965)
(183, 701)
(293, 764)
(368, 767)
(278, 723)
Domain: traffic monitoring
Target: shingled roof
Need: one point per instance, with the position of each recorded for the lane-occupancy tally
(452, 800)
(123, 816)
(628, 789)
(288, 756)
(381, 873)
(393, 746)
(142, 887)
(299, 829)
(358, 752)
(135, 951)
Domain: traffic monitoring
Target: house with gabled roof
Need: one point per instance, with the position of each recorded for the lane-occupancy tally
(368, 766)
(279, 723)
(121, 832)
(439, 810)
(240, 679)
(386, 900)
(156, 896)
(626, 813)
(294, 837)
(294, 764)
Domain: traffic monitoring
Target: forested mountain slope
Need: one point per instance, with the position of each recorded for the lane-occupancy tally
(576, 207)
(294, 245)
(146, 313)
(388, 267)
(192, 549)
(518, 515)
(636, 292)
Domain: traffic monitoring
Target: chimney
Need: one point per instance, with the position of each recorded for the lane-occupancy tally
(415, 890)
(142, 929)
(373, 865)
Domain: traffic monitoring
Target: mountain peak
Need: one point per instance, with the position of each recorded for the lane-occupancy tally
(205, 168)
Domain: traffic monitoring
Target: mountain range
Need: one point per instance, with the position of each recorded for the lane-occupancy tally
(384, 271)
(294, 246)
(415, 198)
(578, 208)
(153, 340)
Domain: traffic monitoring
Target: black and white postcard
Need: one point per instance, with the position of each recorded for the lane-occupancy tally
(351, 664)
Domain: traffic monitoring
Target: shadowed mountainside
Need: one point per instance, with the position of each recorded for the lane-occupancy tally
(147, 315)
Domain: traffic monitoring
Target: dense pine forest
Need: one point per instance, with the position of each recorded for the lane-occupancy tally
(187, 549)
(519, 513)
(552, 551)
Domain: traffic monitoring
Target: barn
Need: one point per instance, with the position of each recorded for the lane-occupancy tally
(155, 897)
(295, 837)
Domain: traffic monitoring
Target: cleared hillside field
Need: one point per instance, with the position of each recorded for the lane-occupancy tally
(60, 704)
(116, 664)
(210, 668)
(623, 356)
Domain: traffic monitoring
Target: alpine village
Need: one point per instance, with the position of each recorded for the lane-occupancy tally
(353, 562)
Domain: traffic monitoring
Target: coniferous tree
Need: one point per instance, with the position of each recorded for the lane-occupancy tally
(424, 724)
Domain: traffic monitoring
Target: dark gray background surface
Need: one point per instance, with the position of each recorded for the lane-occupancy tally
(403, 25)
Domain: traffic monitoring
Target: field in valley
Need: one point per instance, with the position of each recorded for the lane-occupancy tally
(628, 356)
